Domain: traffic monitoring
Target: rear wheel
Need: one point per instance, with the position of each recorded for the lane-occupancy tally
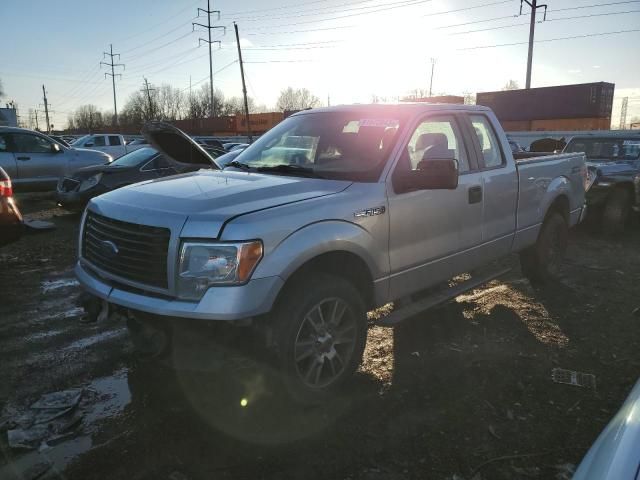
(321, 334)
(616, 213)
(541, 262)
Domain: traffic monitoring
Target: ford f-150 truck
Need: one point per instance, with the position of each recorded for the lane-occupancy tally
(372, 204)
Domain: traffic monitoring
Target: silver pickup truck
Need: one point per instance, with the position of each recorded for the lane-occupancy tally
(372, 204)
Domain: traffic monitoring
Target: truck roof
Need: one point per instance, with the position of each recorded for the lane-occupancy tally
(406, 108)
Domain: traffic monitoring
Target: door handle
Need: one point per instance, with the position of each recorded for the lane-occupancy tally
(23, 158)
(475, 194)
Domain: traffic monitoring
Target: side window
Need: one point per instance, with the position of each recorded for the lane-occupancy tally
(98, 141)
(114, 140)
(4, 143)
(488, 142)
(161, 162)
(437, 138)
(158, 163)
(27, 143)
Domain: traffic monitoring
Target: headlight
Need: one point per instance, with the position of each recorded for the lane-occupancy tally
(90, 182)
(205, 264)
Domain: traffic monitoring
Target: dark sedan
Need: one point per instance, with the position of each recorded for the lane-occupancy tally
(143, 164)
(10, 218)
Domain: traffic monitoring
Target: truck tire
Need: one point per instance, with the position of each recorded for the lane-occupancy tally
(540, 263)
(321, 332)
(616, 212)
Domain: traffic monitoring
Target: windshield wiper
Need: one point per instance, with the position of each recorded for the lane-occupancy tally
(287, 168)
(237, 164)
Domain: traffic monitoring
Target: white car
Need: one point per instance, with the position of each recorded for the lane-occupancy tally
(112, 144)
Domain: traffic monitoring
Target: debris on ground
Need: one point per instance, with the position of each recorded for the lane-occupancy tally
(636, 312)
(571, 377)
(51, 418)
(36, 471)
(39, 225)
(58, 400)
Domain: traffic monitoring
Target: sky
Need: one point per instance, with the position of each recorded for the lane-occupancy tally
(344, 51)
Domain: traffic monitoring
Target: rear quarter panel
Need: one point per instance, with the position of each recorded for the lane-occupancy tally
(542, 180)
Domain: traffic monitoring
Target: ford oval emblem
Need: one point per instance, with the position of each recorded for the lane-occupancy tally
(109, 248)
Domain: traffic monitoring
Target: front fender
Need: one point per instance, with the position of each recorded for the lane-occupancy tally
(318, 238)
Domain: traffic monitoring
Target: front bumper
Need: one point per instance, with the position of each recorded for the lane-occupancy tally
(219, 303)
(74, 200)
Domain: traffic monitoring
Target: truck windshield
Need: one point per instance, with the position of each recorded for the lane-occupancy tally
(341, 145)
(607, 149)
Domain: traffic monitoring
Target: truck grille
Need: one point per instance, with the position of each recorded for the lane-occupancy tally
(133, 252)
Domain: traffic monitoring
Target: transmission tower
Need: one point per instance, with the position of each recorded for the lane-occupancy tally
(113, 76)
(209, 27)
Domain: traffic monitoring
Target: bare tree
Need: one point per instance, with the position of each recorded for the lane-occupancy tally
(1, 89)
(88, 117)
(511, 85)
(296, 99)
(71, 123)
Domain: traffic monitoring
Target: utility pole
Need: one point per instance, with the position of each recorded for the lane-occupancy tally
(113, 76)
(46, 108)
(148, 90)
(244, 86)
(37, 126)
(433, 64)
(623, 113)
(209, 27)
(532, 27)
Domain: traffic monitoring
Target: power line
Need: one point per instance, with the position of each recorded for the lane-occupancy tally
(576, 17)
(383, 9)
(551, 39)
(399, 3)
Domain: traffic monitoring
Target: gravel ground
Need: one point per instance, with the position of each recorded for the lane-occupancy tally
(444, 395)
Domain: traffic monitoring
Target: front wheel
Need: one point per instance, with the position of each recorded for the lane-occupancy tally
(321, 334)
(541, 262)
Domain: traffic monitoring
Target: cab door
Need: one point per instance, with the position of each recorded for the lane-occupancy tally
(430, 230)
(38, 164)
(499, 185)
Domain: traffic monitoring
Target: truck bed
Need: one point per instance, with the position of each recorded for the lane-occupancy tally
(541, 178)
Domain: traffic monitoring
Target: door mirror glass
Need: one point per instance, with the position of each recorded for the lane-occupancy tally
(55, 148)
(432, 174)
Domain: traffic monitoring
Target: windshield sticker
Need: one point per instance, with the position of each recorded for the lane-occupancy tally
(379, 122)
(631, 142)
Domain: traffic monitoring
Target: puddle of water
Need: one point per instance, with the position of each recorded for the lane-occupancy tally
(92, 340)
(114, 395)
(107, 397)
(51, 285)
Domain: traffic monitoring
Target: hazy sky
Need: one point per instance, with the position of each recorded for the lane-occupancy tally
(348, 49)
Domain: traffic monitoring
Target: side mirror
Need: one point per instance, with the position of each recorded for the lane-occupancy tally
(88, 144)
(432, 174)
(55, 148)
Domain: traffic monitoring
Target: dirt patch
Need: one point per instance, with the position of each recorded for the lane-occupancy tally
(437, 396)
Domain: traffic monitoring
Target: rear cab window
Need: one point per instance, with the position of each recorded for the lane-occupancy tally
(114, 140)
(606, 148)
(491, 152)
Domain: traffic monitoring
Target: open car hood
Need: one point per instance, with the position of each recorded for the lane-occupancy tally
(176, 144)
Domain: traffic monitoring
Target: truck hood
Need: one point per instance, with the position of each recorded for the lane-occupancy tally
(628, 167)
(203, 201)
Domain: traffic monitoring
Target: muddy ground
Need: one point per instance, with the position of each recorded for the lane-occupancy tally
(444, 395)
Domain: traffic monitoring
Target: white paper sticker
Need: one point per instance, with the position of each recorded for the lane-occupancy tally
(379, 122)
